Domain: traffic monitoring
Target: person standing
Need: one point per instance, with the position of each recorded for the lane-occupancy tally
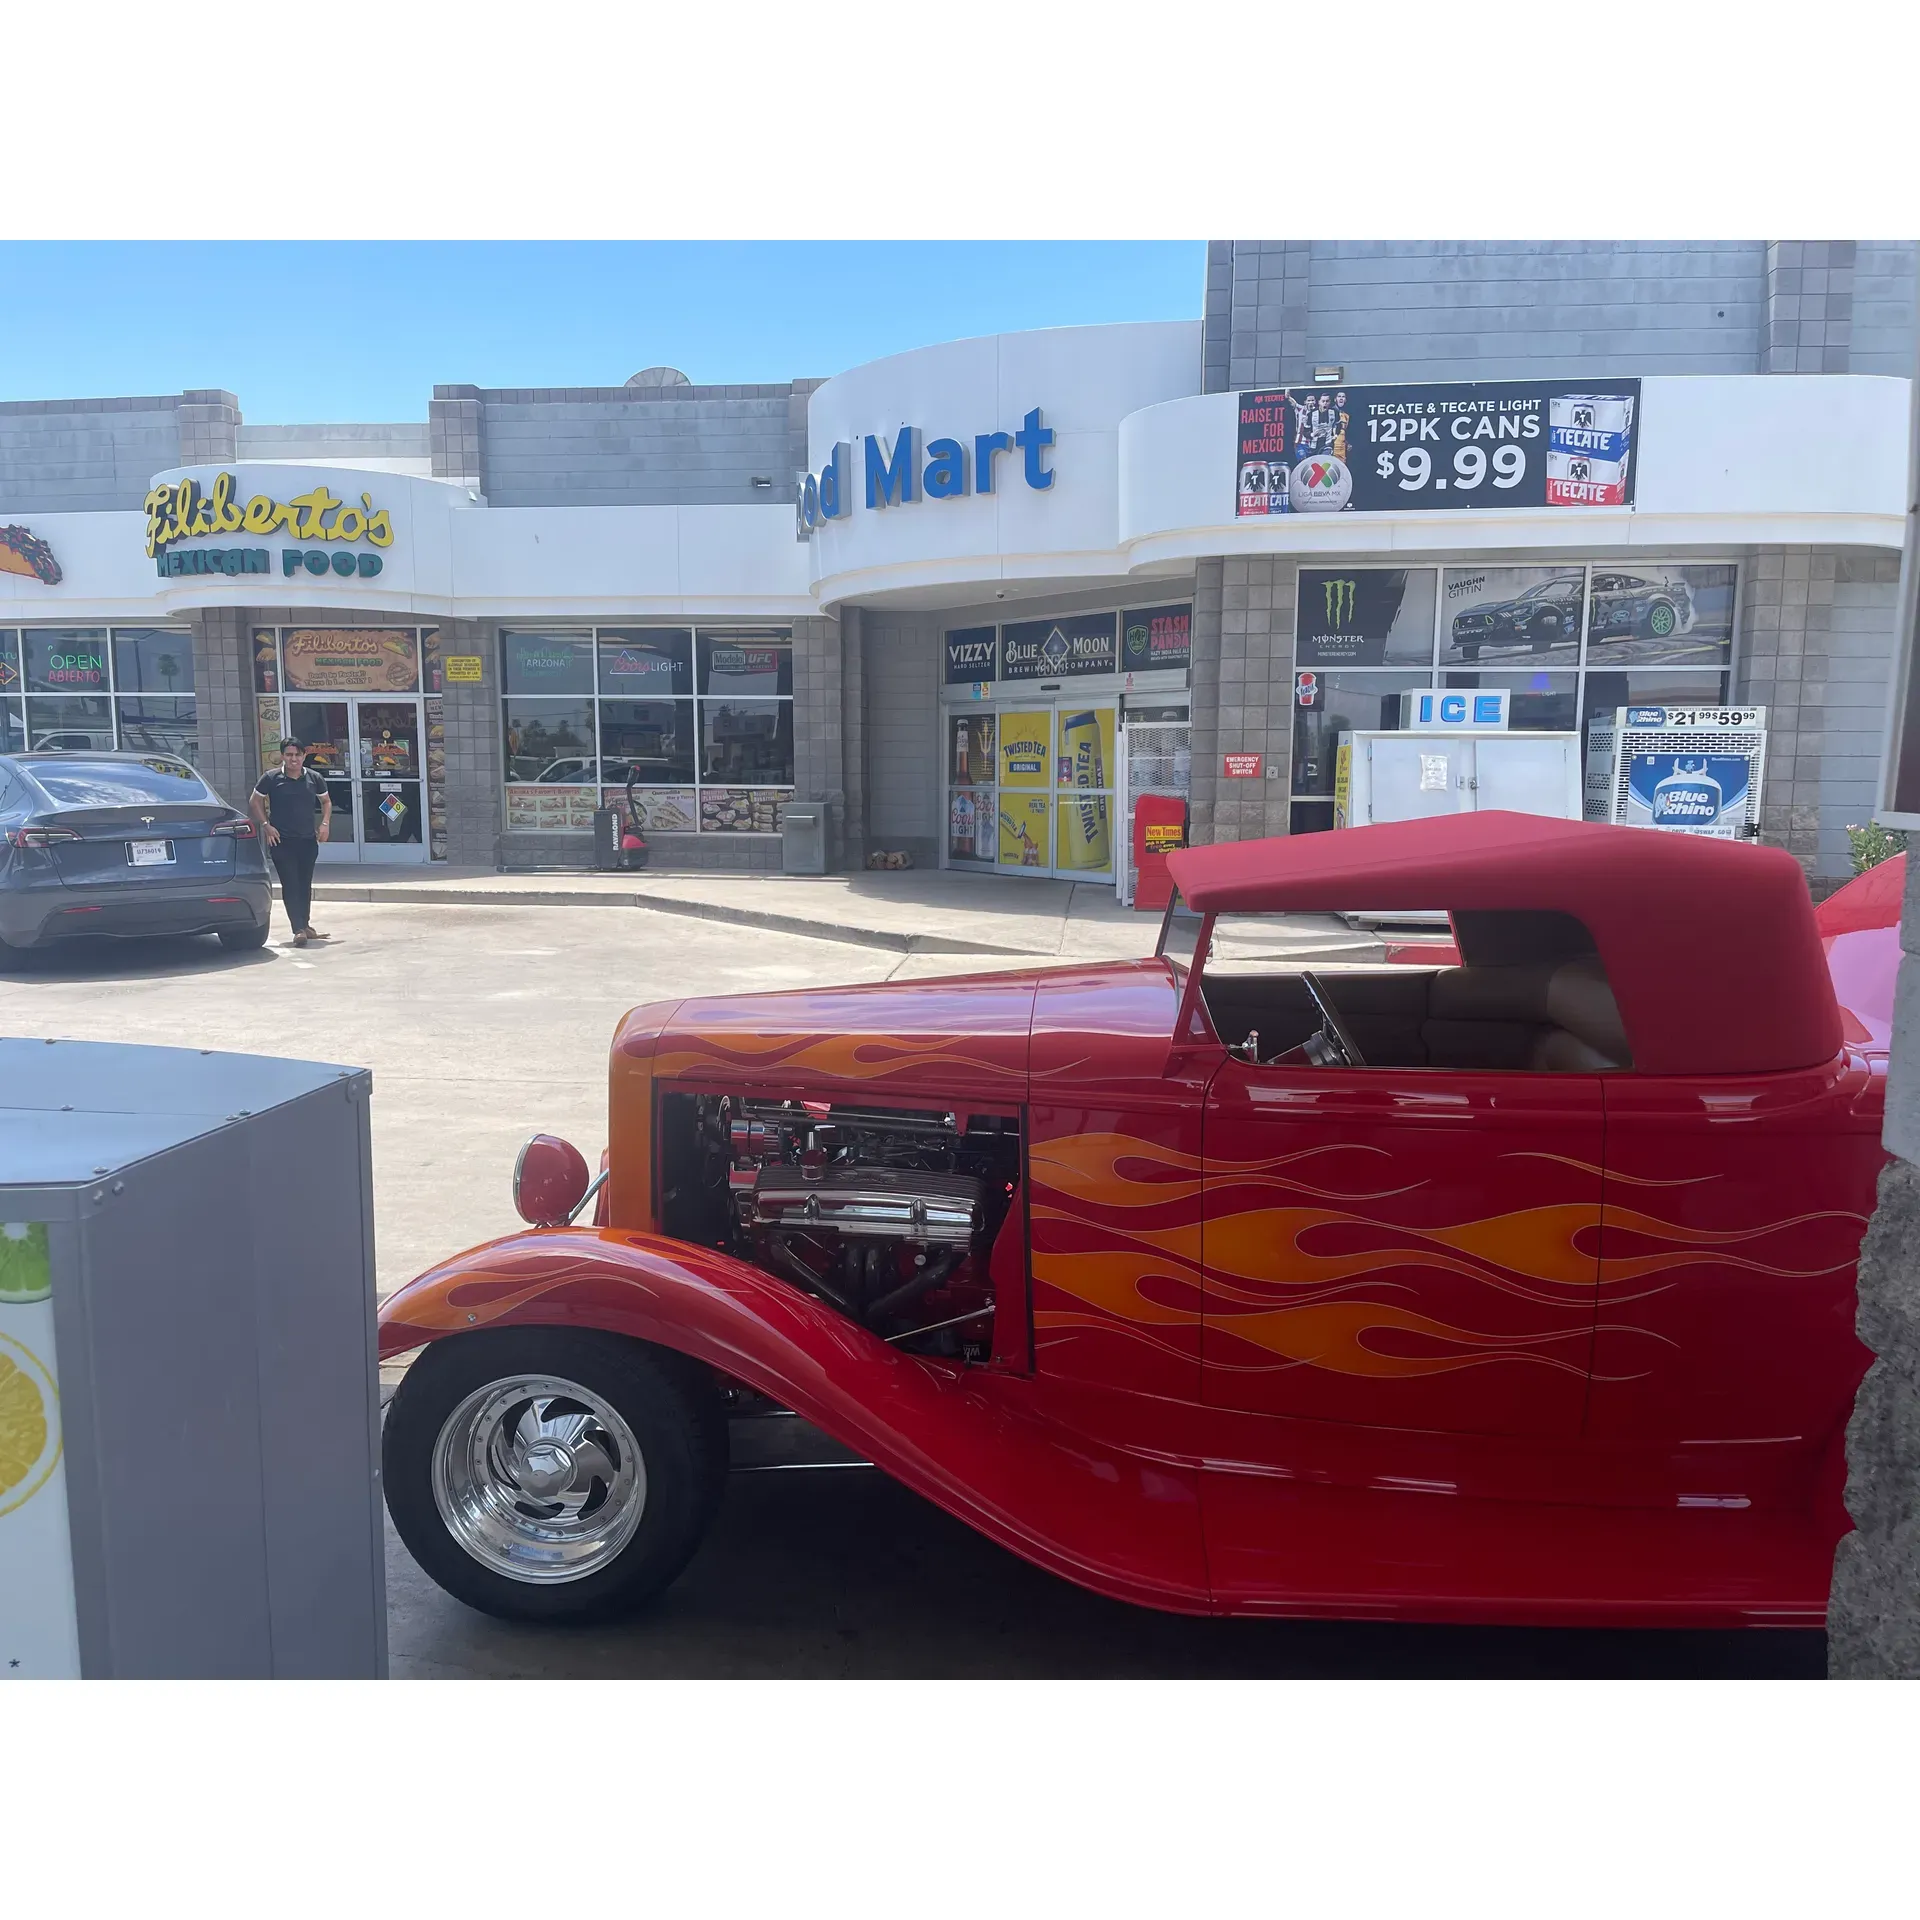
(292, 807)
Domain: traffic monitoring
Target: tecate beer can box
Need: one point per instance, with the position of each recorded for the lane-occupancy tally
(1579, 480)
(1607, 414)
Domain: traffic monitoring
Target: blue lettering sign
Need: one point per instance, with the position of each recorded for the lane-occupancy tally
(894, 481)
(894, 475)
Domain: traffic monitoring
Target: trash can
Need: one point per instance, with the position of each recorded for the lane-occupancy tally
(189, 1388)
(803, 837)
(606, 839)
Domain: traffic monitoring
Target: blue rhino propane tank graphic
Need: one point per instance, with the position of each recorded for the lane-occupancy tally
(1689, 792)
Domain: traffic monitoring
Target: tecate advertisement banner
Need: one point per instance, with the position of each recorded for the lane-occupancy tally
(1437, 449)
(1689, 792)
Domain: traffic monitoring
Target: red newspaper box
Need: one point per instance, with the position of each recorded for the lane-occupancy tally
(1159, 826)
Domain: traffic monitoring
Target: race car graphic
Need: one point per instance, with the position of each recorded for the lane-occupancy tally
(1545, 615)
(1626, 605)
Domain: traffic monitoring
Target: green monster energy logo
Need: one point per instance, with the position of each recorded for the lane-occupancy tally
(1338, 595)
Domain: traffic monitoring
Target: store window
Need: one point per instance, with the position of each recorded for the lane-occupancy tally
(150, 660)
(547, 663)
(1568, 641)
(550, 742)
(66, 689)
(691, 728)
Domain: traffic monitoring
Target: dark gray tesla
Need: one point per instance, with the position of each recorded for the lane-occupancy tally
(123, 843)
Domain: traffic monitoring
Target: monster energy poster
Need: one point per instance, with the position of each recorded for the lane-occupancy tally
(1437, 449)
(1365, 617)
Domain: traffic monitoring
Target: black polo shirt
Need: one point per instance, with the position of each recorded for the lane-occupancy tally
(293, 804)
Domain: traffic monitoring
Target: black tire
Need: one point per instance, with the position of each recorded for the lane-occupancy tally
(1663, 618)
(242, 939)
(678, 1422)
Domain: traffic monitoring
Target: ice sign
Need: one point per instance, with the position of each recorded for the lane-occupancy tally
(1455, 710)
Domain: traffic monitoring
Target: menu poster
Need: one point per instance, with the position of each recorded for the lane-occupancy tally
(346, 660)
(659, 809)
(533, 809)
(742, 809)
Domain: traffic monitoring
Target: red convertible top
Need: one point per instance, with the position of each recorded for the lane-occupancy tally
(1710, 947)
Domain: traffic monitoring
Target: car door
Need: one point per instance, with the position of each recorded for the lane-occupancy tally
(1401, 1247)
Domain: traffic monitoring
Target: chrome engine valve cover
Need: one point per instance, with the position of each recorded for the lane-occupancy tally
(874, 1203)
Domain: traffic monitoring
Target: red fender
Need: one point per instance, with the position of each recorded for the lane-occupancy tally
(1079, 1507)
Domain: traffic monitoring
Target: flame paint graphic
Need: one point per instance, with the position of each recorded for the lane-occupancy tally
(756, 1056)
(1322, 1258)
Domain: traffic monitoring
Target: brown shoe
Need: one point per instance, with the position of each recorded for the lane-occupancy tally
(301, 939)
(313, 933)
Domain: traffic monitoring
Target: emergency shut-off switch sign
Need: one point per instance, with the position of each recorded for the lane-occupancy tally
(39, 1639)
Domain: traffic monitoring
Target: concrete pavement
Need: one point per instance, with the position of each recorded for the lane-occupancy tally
(915, 912)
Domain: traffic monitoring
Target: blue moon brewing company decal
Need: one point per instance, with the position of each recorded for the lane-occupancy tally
(1702, 793)
(1058, 649)
(1436, 449)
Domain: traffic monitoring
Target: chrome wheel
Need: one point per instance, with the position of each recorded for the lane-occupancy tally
(539, 1479)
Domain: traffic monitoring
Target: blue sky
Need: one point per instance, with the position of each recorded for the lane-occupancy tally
(361, 331)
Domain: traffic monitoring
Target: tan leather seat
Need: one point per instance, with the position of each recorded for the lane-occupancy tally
(1545, 1016)
(1589, 1035)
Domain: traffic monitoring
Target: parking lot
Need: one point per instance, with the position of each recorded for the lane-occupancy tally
(483, 1024)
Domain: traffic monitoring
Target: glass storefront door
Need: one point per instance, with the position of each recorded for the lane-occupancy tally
(1030, 788)
(369, 752)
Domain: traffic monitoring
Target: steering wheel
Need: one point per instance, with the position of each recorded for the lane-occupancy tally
(1333, 1045)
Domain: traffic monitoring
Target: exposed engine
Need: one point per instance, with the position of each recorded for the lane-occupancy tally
(889, 1214)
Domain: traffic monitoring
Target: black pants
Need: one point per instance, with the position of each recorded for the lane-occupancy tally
(293, 862)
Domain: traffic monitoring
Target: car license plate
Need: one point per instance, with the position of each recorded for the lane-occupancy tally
(150, 853)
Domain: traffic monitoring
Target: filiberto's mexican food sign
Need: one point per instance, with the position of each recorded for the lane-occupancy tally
(337, 535)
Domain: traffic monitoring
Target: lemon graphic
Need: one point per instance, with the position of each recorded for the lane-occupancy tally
(25, 1271)
(29, 1426)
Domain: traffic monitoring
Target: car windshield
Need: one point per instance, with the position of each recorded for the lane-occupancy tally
(1548, 588)
(79, 782)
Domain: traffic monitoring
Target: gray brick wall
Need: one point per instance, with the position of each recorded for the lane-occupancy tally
(819, 729)
(336, 440)
(1883, 307)
(1242, 664)
(1203, 685)
(84, 456)
(209, 427)
(903, 732)
(470, 714)
(224, 715)
(853, 651)
(1466, 310)
(1816, 649)
(454, 428)
(622, 446)
(1809, 306)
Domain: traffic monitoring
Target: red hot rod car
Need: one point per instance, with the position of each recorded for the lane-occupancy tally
(1517, 1289)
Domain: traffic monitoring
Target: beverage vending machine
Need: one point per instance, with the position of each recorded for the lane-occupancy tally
(1682, 769)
